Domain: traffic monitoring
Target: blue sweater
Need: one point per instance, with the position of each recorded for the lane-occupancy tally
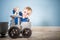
(21, 19)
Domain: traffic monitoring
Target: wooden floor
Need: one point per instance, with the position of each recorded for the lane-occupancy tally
(40, 33)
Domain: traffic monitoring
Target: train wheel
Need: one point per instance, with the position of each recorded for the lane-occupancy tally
(14, 32)
(26, 33)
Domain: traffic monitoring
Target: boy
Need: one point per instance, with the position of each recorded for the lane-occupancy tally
(25, 14)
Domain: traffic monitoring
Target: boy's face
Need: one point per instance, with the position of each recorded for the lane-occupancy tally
(27, 12)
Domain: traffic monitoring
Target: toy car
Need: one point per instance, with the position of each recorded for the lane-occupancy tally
(23, 28)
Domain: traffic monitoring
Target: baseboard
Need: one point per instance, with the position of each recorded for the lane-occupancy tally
(45, 28)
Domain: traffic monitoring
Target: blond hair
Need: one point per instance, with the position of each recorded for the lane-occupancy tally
(29, 8)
